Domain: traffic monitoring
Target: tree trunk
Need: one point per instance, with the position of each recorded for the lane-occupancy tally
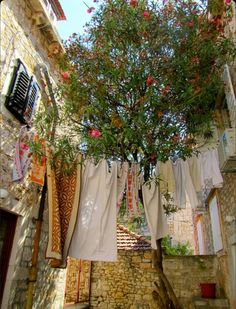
(164, 293)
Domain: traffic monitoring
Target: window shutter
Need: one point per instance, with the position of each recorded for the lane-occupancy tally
(32, 98)
(23, 94)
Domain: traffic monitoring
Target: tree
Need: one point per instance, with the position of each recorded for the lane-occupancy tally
(141, 83)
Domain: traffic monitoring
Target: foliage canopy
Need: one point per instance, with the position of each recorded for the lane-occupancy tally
(141, 83)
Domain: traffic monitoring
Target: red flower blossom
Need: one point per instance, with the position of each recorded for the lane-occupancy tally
(65, 75)
(146, 14)
(149, 80)
(195, 59)
(95, 133)
(160, 114)
(133, 3)
(24, 146)
(227, 1)
(176, 138)
(89, 10)
(190, 23)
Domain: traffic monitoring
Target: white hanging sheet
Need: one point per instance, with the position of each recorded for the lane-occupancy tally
(184, 185)
(210, 168)
(154, 211)
(94, 237)
(196, 173)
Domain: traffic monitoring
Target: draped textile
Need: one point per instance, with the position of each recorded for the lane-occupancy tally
(210, 168)
(156, 218)
(166, 174)
(184, 185)
(122, 173)
(132, 188)
(63, 203)
(22, 157)
(94, 237)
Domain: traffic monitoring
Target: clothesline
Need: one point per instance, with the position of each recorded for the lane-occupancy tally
(83, 208)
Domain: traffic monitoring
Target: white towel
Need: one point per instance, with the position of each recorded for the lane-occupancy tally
(154, 211)
(184, 185)
(94, 237)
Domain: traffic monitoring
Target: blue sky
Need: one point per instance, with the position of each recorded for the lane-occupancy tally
(75, 11)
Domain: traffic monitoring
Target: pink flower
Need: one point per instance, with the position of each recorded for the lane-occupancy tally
(194, 12)
(95, 133)
(227, 1)
(89, 10)
(149, 80)
(24, 146)
(65, 75)
(146, 14)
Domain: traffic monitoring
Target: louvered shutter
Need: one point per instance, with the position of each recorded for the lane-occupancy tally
(23, 94)
(32, 98)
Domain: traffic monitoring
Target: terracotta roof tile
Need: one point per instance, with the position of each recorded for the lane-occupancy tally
(127, 240)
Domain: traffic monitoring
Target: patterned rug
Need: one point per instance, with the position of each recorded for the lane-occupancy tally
(63, 204)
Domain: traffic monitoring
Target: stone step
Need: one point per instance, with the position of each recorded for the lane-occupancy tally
(210, 303)
(76, 306)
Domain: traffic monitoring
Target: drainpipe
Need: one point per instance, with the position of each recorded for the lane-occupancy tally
(33, 269)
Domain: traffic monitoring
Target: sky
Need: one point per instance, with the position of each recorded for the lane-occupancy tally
(77, 16)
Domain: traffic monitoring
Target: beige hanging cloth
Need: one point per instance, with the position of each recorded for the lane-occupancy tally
(63, 204)
(167, 178)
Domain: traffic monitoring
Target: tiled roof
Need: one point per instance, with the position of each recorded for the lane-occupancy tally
(127, 240)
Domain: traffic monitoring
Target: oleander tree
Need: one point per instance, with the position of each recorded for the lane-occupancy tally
(141, 83)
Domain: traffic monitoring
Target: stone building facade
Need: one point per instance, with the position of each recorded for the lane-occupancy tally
(215, 224)
(28, 33)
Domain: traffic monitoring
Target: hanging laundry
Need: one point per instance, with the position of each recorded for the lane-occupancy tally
(122, 173)
(196, 173)
(38, 169)
(184, 185)
(167, 180)
(22, 157)
(94, 237)
(210, 168)
(63, 203)
(132, 188)
(156, 218)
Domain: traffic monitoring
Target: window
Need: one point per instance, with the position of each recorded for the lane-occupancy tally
(215, 224)
(7, 231)
(22, 95)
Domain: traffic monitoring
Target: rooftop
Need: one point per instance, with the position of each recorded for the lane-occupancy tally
(127, 240)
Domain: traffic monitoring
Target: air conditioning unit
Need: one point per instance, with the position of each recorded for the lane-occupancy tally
(230, 95)
(227, 150)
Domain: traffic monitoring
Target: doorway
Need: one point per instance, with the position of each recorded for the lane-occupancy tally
(7, 231)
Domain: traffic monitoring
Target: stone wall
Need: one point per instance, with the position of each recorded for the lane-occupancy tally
(21, 38)
(227, 206)
(181, 227)
(129, 282)
(226, 199)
